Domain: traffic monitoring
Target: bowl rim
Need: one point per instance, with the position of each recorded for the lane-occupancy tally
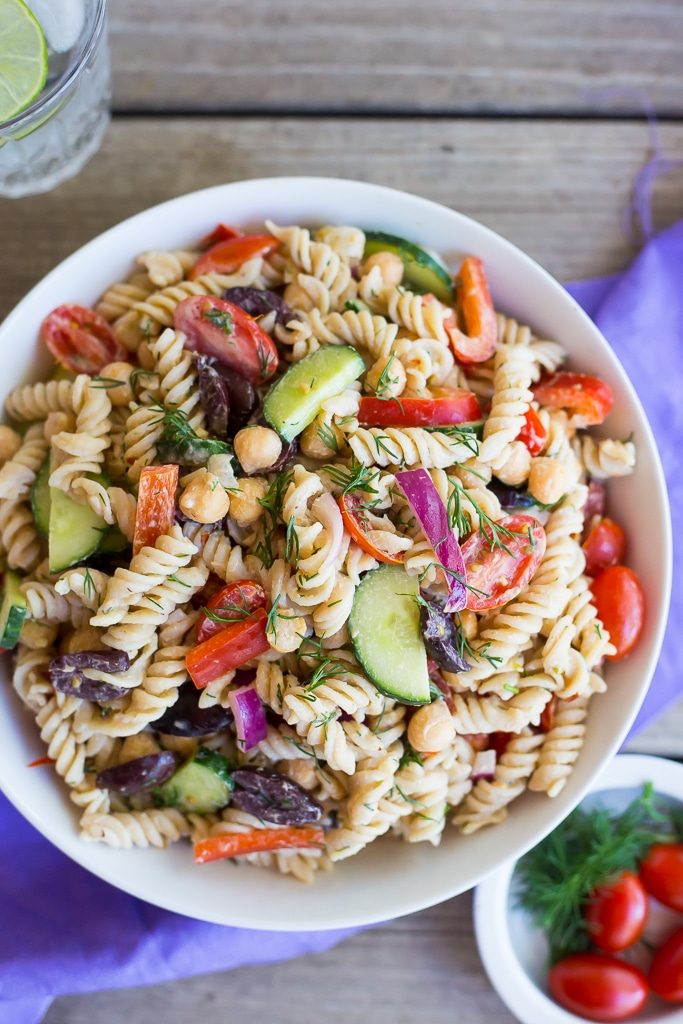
(490, 909)
(407, 903)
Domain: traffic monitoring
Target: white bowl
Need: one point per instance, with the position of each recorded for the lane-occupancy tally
(388, 879)
(514, 952)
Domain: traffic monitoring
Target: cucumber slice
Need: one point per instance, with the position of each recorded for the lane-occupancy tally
(385, 631)
(200, 786)
(75, 531)
(13, 610)
(40, 499)
(113, 542)
(294, 401)
(421, 271)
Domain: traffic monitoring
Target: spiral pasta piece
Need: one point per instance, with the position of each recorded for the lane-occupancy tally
(17, 475)
(19, 538)
(167, 266)
(487, 803)
(31, 402)
(30, 677)
(126, 830)
(55, 722)
(157, 692)
(475, 714)
(511, 400)
(82, 452)
(606, 457)
(411, 446)
(560, 749)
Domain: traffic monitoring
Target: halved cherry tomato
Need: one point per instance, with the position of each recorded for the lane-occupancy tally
(616, 913)
(666, 969)
(598, 987)
(605, 545)
(588, 398)
(228, 649)
(459, 406)
(619, 599)
(155, 513)
(220, 233)
(548, 714)
(258, 840)
(233, 603)
(499, 742)
(81, 339)
(533, 434)
(227, 256)
(355, 525)
(595, 502)
(216, 327)
(495, 573)
(481, 325)
(661, 873)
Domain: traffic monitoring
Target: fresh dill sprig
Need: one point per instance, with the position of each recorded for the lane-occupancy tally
(493, 532)
(106, 383)
(328, 437)
(355, 477)
(462, 434)
(467, 652)
(272, 503)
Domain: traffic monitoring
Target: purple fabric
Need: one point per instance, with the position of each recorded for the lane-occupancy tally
(46, 948)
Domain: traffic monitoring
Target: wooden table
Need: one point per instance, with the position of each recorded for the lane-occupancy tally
(527, 114)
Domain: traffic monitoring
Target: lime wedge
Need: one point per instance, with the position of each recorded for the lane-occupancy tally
(23, 58)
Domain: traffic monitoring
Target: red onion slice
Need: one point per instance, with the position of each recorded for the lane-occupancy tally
(424, 499)
(250, 718)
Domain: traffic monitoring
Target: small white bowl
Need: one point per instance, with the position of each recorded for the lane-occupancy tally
(514, 952)
(388, 879)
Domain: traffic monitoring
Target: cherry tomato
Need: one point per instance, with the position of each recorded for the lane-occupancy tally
(227, 256)
(598, 987)
(533, 434)
(498, 572)
(604, 545)
(355, 524)
(548, 714)
(661, 872)
(666, 969)
(595, 502)
(588, 398)
(619, 599)
(216, 327)
(499, 742)
(80, 339)
(228, 649)
(616, 913)
(459, 406)
(155, 513)
(219, 234)
(478, 341)
(233, 603)
(478, 740)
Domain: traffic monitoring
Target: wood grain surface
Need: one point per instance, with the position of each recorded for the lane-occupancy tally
(557, 189)
(450, 55)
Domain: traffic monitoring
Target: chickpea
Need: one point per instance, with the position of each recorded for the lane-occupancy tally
(517, 465)
(473, 473)
(245, 506)
(431, 728)
(147, 362)
(548, 480)
(287, 632)
(257, 448)
(300, 770)
(140, 745)
(221, 466)
(296, 297)
(56, 422)
(468, 623)
(205, 500)
(390, 266)
(313, 445)
(38, 635)
(386, 377)
(120, 394)
(10, 443)
(185, 746)
(85, 638)
(128, 332)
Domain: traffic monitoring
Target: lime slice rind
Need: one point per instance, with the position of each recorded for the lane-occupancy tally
(23, 58)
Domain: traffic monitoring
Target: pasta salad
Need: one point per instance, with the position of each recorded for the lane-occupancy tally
(304, 545)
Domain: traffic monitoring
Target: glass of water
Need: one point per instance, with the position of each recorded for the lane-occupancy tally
(63, 127)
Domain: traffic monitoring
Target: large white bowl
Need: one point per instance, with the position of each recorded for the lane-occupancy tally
(389, 878)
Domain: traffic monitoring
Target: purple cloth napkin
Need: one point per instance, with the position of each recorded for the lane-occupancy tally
(46, 949)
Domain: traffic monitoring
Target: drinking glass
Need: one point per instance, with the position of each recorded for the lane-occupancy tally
(63, 127)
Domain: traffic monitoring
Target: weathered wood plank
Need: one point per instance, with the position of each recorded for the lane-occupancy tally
(451, 55)
(557, 189)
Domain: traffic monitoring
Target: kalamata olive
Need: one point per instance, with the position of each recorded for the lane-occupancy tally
(439, 682)
(440, 635)
(258, 301)
(244, 676)
(290, 450)
(186, 718)
(274, 797)
(511, 497)
(141, 773)
(66, 674)
(243, 398)
(213, 396)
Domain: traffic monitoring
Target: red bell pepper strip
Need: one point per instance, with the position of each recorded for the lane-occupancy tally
(40, 761)
(533, 434)
(227, 256)
(481, 324)
(588, 398)
(259, 840)
(232, 603)
(155, 513)
(220, 233)
(459, 406)
(228, 649)
(354, 524)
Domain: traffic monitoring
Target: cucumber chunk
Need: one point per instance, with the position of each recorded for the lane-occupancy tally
(200, 786)
(40, 499)
(113, 542)
(385, 631)
(13, 610)
(294, 401)
(421, 270)
(75, 531)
